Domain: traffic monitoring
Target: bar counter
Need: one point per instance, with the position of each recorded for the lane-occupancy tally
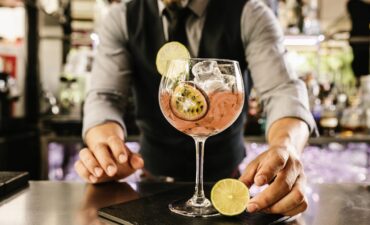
(69, 203)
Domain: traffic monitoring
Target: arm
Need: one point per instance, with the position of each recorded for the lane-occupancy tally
(289, 132)
(106, 156)
(289, 120)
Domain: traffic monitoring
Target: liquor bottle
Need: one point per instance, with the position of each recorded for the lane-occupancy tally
(353, 120)
(365, 94)
(329, 120)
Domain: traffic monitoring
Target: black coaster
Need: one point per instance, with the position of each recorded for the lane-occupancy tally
(153, 210)
(11, 182)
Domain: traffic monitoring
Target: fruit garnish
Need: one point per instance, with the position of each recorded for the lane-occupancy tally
(189, 102)
(169, 51)
(230, 197)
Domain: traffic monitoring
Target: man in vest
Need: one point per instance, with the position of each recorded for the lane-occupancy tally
(243, 30)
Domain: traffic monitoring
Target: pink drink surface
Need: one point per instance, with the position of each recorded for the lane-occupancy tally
(224, 108)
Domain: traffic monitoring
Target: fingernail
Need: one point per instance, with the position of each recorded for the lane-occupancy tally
(93, 179)
(261, 180)
(137, 163)
(251, 207)
(98, 171)
(111, 170)
(122, 158)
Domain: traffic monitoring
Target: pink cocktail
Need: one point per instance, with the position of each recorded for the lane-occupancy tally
(201, 98)
(224, 108)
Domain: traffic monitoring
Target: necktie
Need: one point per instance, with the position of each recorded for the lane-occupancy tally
(177, 20)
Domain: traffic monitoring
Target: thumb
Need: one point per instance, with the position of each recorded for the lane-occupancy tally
(136, 161)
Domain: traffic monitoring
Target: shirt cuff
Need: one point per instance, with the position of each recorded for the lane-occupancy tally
(281, 107)
(100, 115)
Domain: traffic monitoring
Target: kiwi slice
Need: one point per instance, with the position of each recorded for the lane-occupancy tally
(189, 102)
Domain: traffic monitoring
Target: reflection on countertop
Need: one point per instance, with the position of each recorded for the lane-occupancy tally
(98, 196)
(339, 204)
(72, 203)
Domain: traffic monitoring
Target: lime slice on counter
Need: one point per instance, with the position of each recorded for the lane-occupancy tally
(230, 197)
(189, 102)
(169, 51)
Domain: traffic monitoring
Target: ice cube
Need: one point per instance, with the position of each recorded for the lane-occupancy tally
(215, 85)
(200, 80)
(229, 80)
(208, 76)
(206, 70)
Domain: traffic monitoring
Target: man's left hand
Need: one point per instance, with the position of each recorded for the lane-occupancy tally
(282, 170)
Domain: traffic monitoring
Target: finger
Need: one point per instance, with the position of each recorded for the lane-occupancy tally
(118, 149)
(84, 173)
(90, 163)
(104, 157)
(276, 161)
(280, 187)
(136, 161)
(248, 175)
(300, 208)
(292, 200)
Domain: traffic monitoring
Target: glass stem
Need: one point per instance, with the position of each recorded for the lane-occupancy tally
(199, 198)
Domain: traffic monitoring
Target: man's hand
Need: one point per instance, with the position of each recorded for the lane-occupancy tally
(285, 194)
(11, 3)
(107, 157)
(281, 168)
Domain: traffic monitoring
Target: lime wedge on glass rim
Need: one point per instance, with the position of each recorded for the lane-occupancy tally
(170, 51)
(230, 197)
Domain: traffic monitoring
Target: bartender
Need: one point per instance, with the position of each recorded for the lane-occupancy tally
(242, 30)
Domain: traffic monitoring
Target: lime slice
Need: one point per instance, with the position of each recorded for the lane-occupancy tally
(169, 51)
(189, 102)
(177, 69)
(230, 197)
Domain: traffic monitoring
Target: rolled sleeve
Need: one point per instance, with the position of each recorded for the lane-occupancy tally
(282, 93)
(288, 100)
(111, 75)
(101, 107)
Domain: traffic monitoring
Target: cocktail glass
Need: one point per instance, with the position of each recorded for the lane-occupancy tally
(201, 98)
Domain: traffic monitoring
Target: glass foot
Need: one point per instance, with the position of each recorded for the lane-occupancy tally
(192, 209)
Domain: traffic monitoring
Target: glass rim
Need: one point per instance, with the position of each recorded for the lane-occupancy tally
(205, 59)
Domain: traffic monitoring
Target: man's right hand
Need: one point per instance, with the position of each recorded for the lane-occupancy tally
(107, 157)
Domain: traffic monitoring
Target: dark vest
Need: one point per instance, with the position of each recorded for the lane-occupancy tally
(165, 150)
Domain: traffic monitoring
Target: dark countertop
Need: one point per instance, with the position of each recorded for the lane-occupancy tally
(69, 203)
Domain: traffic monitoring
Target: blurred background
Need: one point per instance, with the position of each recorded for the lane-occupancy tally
(47, 48)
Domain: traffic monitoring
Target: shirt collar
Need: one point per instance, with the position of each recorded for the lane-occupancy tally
(197, 6)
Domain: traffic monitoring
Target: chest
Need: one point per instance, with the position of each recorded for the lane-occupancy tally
(217, 35)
